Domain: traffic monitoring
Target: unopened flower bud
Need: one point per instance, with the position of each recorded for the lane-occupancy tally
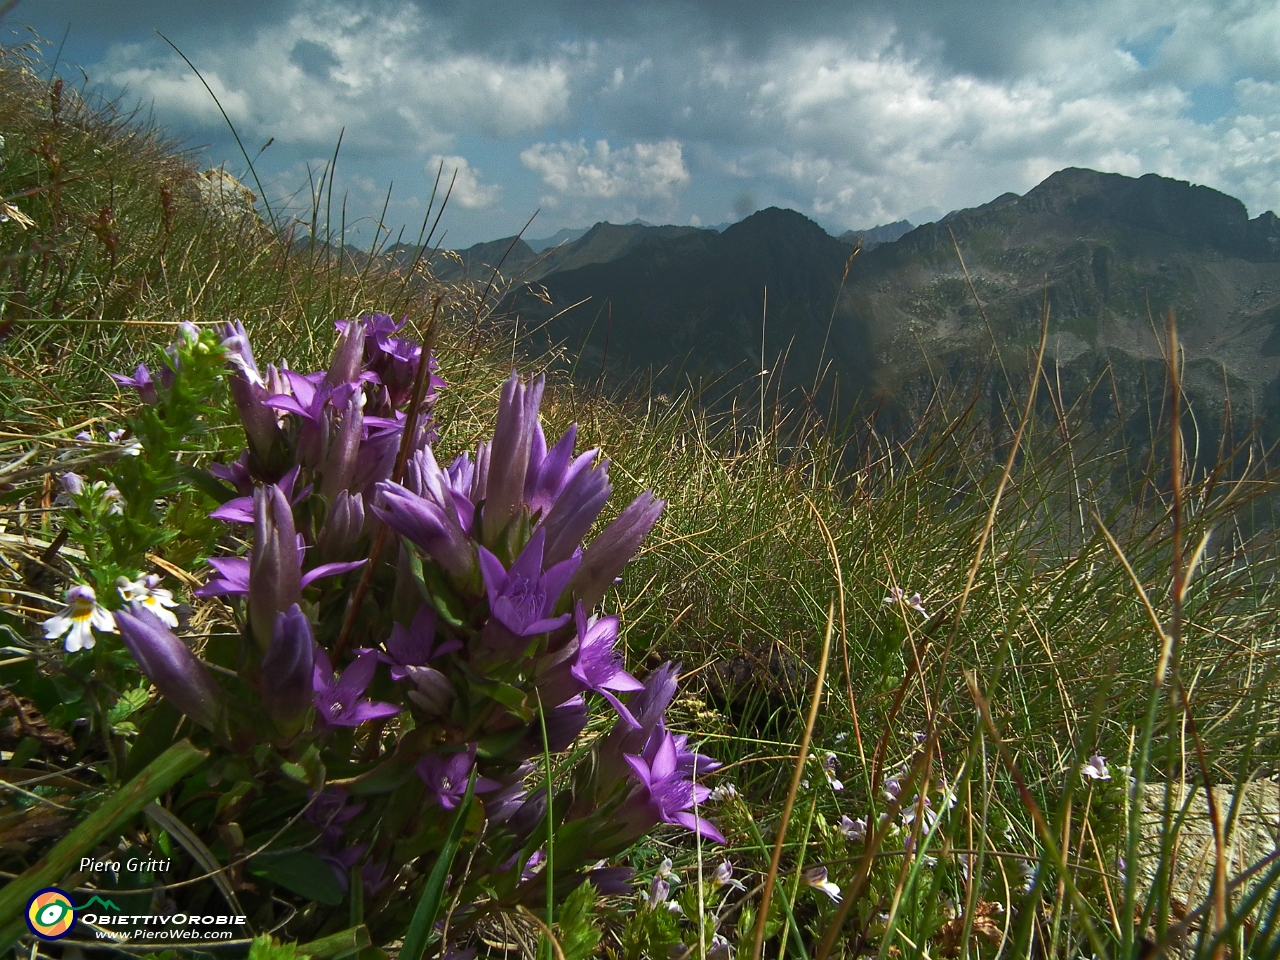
(287, 672)
(274, 575)
(168, 663)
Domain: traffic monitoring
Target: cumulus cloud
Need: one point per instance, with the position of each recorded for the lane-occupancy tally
(467, 188)
(853, 113)
(381, 71)
(642, 170)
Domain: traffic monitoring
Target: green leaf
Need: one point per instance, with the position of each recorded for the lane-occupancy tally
(129, 703)
(579, 935)
(300, 872)
(156, 736)
(424, 916)
(269, 948)
(337, 945)
(435, 589)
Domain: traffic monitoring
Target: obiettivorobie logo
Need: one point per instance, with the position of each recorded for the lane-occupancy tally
(51, 915)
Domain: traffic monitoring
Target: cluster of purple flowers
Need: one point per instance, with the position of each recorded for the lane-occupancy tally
(476, 630)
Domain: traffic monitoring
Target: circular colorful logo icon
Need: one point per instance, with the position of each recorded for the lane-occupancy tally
(51, 914)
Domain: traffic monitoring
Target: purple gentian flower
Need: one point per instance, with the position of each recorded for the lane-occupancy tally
(611, 881)
(523, 599)
(240, 509)
(446, 776)
(341, 702)
(598, 667)
(647, 708)
(140, 381)
(169, 663)
(275, 576)
(415, 646)
(237, 474)
(663, 794)
(330, 812)
(338, 539)
(432, 516)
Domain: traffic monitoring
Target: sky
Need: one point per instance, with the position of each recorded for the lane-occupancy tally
(855, 113)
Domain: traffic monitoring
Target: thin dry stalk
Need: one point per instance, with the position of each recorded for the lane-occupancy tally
(757, 948)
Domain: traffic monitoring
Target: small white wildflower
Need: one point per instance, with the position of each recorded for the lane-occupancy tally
(726, 791)
(841, 738)
(80, 616)
(830, 768)
(132, 447)
(1095, 769)
(816, 877)
(148, 592)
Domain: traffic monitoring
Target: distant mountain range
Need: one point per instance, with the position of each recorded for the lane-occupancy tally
(1109, 252)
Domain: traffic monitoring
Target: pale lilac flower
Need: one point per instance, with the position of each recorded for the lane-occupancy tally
(80, 616)
(722, 876)
(816, 877)
(719, 948)
(1095, 768)
(147, 592)
(72, 483)
(897, 595)
(658, 892)
(891, 788)
(852, 830)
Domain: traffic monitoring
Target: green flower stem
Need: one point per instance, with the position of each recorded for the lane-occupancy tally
(119, 808)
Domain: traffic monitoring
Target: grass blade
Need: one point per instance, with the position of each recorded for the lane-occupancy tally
(424, 917)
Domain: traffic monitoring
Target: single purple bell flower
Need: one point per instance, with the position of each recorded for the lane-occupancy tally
(331, 812)
(268, 448)
(433, 693)
(140, 381)
(275, 577)
(509, 457)
(646, 708)
(551, 470)
(341, 702)
(564, 723)
(178, 674)
(608, 554)
(287, 671)
(339, 538)
(236, 473)
(663, 793)
(598, 667)
(432, 515)
(523, 599)
(446, 776)
(415, 646)
(500, 807)
(611, 881)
